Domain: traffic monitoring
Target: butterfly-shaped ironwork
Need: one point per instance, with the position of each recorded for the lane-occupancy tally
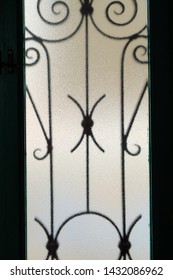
(87, 123)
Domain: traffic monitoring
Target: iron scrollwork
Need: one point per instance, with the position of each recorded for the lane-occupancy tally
(86, 16)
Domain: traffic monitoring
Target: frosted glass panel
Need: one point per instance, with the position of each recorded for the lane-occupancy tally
(87, 123)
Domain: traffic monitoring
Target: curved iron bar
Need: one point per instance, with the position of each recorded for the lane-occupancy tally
(49, 146)
(36, 60)
(87, 123)
(135, 53)
(121, 5)
(132, 121)
(38, 38)
(115, 37)
(87, 213)
(41, 157)
(125, 135)
(42, 225)
(124, 244)
(50, 138)
(132, 225)
(138, 150)
(52, 244)
(96, 143)
(118, 24)
(95, 105)
(48, 152)
(52, 8)
(78, 143)
(78, 105)
(123, 10)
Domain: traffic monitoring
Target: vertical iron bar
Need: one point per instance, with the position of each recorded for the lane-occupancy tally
(87, 66)
(123, 146)
(87, 111)
(51, 147)
(87, 172)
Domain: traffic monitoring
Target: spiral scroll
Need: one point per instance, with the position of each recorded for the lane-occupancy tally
(32, 56)
(61, 6)
(122, 15)
(112, 6)
(140, 53)
(56, 20)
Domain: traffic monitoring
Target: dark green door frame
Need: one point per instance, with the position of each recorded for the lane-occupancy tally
(12, 204)
(160, 55)
(12, 133)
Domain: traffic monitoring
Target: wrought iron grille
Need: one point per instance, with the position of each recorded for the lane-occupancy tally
(122, 26)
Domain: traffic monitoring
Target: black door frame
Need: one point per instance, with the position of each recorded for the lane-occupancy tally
(161, 142)
(12, 144)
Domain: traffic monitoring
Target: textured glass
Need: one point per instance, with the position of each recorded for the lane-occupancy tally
(87, 122)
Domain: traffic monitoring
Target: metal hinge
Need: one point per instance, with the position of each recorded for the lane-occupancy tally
(9, 64)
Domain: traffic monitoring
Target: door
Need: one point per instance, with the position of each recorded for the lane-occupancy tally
(13, 135)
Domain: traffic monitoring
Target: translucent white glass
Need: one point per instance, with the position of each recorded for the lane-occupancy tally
(86, 63)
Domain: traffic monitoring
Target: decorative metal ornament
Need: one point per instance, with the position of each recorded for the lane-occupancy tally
(85, 16)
